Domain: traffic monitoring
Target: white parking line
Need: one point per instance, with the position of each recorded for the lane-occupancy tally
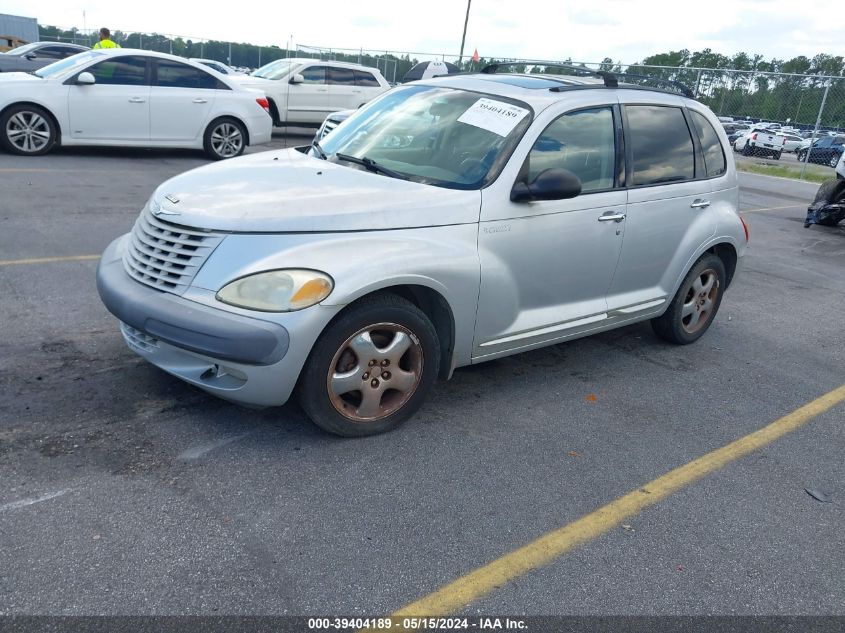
(14, 505)
(195, 452)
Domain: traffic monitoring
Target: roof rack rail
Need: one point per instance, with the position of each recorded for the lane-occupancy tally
(611, 80)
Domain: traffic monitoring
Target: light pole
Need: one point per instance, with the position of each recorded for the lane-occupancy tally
(464, 37)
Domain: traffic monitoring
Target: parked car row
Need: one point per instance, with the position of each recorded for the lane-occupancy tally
(131, 98)
(147, 99)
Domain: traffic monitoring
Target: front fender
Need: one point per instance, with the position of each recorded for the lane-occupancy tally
(443, 259)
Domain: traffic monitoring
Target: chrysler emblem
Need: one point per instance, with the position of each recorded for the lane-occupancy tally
(158, 210)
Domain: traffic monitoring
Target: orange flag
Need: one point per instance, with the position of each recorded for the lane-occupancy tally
(475, 56)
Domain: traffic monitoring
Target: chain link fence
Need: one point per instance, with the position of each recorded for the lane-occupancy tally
(809, 109)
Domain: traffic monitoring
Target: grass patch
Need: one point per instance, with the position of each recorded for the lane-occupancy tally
(782, 172)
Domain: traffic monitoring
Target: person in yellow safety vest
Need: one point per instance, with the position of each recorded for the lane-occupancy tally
(105, 42)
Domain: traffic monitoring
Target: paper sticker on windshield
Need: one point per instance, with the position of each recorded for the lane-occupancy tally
(495, 116)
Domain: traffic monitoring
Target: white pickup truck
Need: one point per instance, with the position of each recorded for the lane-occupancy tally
(760, 142)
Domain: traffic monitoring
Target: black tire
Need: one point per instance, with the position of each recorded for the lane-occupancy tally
(381, 315)
(224, 138)
(675, 327)
(25, 125)
(746, 151)
(776, 155)
(800, 156)
(833, 160)
(831, 191)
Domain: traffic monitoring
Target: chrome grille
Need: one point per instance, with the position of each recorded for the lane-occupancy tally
(165, 255)
(138, 339)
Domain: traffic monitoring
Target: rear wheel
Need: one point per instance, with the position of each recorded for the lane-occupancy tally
(27, 130)
(371, 369)
(833, 160)
(695, 304)
(224, 138)
(746, 151)
(776, 155)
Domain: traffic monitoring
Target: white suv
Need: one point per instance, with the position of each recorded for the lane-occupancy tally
(304, 91)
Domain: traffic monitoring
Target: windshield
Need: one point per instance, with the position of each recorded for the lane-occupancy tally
(274, 70)
(67, 65)
(438, 136)
(23, 50)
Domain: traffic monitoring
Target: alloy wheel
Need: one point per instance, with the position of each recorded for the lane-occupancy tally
(28, 131)
(227, 140)
(699, 301)
(375, 372)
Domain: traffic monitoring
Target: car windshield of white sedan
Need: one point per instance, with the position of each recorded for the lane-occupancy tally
(438, 136)
(274, 70)
(68, 65)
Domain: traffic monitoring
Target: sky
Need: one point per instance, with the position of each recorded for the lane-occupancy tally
(583, 30)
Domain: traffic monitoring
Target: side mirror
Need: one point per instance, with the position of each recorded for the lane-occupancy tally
(550, 184)
(30, 56)
(296, 79)
(85, 79)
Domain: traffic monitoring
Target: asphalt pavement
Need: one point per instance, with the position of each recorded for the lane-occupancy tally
(126, 491)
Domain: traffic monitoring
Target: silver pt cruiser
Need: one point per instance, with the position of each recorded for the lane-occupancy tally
(449, 222)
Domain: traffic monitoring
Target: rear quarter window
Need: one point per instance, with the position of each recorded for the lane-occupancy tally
(661, 145)
(714, 156)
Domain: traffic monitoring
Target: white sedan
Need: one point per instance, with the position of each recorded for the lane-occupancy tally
(131, 98)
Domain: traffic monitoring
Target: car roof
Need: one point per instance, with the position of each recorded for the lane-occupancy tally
(538, 90)
(308, 60)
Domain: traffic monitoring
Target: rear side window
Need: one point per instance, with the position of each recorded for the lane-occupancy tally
(175, 75)
(714, 156)
(123, 71)
(582, 142)
(365, 79)
(661, 145)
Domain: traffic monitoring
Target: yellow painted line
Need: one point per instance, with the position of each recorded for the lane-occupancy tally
(458, 594)
(788, 206)
(47, 260)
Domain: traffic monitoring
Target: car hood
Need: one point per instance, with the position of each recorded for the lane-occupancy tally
(249, 80)
(19, 76)
(287, 191)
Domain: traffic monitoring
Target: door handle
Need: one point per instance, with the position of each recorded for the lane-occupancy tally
(612, 216)
(137, 100)
(322, 89)
(698, 203)
(200, 100)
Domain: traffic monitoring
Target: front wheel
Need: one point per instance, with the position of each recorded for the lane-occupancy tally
(800, 156)
(224, 138)
(746, 151)
(833, 160)
(371, 369)
(27, 130)
(776, 155)
(695, 304)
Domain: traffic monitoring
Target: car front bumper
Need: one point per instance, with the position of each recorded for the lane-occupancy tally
(234, 356)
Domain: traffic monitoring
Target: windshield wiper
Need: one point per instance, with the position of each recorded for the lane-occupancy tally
(371, 165)
(319, 149)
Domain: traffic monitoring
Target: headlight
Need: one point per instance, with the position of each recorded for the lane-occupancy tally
(278, 290)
